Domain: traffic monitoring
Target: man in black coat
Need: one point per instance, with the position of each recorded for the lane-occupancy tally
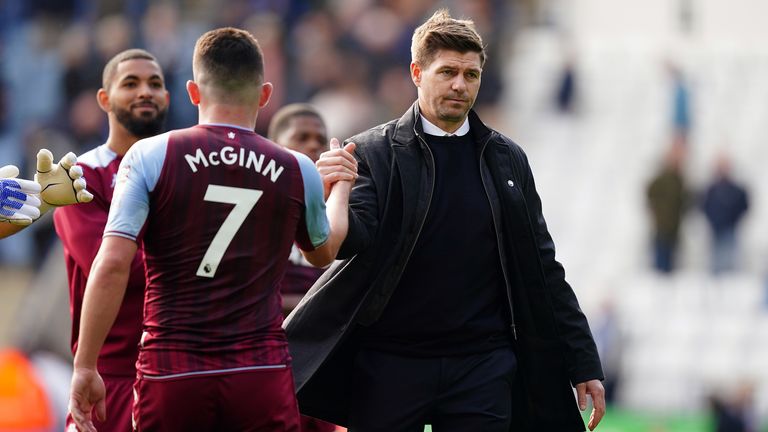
(448, 307)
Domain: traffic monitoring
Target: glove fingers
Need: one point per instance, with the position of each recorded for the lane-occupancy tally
(79, 184)
(9, 171)
(13, 198)
(84, 196)
(33, 200)
(75, 172)
(29, 211)
(68, 161)
(44, 160)
(28, 186)
(20, 220)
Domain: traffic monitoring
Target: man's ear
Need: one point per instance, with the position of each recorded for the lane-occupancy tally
(102, 97)
(416, 73)
(193, 90)
(266, 93)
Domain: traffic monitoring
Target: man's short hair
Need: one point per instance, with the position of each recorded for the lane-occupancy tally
(282, 118)
(111, 68)
(229, 61)
(443, 32)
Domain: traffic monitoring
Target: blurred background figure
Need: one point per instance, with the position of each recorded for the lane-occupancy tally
(565, 96)
(681, 103)
(725, 202)
(668, 196)
(733, 412)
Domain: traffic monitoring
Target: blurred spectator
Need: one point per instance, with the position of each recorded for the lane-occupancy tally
(725, 203)
(608, 338)
(732, 414)
(268, 30)
(565, 98)
(681, 103)
(667, 198)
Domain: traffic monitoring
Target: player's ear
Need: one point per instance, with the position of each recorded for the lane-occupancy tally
(194, 92)
(266, 93)
(415, 73)
(102, 97)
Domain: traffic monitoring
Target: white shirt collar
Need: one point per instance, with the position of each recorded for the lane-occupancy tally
(431, 129)
(227, 125)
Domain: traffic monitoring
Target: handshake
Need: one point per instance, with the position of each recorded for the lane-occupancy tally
(23, 201)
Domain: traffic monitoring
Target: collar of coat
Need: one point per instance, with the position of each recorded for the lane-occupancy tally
(408, 127)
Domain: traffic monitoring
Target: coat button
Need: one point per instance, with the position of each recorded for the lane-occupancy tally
(510, 183)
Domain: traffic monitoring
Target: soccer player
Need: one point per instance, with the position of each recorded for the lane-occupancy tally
(23, 201)
(222, 207)
(300, 127)
(134, 97)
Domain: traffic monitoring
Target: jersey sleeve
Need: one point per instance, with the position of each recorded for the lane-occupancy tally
(314, 229)
(138, 174)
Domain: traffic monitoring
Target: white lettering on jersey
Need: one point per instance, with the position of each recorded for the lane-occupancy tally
(228, 156)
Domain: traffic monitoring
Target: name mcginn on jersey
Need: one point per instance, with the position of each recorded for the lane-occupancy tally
(229, 156)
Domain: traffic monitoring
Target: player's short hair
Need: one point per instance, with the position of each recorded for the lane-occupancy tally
(230, 62)
(443, 32)
(282, 118)
(111, 68)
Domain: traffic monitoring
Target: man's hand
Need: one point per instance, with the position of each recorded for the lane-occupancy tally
(17, 204)
(87, 392)
(62, 184)
(337, 164)
(595, 389)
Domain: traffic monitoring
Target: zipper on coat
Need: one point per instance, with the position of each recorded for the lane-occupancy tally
(429, 202)
(507, 286)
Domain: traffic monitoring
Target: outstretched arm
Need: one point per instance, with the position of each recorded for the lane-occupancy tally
(103, 297)
(23, 202)
(337, 205)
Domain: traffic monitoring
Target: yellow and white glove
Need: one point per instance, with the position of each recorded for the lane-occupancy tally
(18, 205)
(61, 184)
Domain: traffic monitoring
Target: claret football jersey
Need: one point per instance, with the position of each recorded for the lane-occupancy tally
(222, 207)
(80, 228)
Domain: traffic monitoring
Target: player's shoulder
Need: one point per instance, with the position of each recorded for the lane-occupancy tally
(149, 147)
(302, 161)
(98, 157)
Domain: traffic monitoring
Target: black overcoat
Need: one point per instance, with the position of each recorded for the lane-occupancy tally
(388, 205)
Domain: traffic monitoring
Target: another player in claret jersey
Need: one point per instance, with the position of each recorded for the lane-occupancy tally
(301, 128)
(222, 207)
(134, 97)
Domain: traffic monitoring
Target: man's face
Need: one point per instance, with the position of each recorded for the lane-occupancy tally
(448, 87)
(138, 97)
(305, 134)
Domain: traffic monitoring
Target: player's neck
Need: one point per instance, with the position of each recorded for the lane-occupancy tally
(120, 140)
(236, 115)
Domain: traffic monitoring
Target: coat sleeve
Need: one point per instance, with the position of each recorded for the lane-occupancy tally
(363, 210)
(582, 359)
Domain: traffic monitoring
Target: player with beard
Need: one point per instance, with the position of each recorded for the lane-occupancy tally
(136, 101)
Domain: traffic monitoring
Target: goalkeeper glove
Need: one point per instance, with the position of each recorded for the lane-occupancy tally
(17, 204)
(61, 184)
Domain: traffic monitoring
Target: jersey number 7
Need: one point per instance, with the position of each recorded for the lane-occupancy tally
(244, 200)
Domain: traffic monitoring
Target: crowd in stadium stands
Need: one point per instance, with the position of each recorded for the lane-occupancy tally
(346, 58)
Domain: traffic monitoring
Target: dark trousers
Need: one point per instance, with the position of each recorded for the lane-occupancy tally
(393, 393)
